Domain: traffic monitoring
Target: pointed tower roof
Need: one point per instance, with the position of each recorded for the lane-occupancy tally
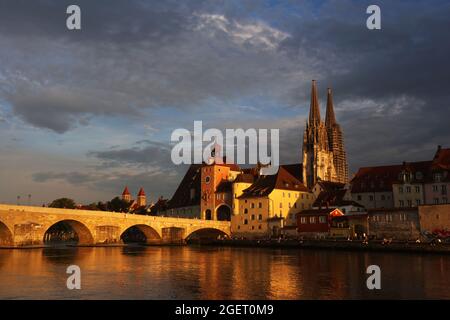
(141, 192)
(125, 191)
(330, 118)
(314, 110)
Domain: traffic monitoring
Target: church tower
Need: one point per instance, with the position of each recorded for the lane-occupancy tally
(317, 157)
(126, 195)
(141, 198)
(336, 141)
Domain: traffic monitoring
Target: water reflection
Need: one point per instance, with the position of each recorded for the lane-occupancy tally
(147, 272)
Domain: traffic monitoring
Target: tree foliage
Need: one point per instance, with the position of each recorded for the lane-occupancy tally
(63, 203)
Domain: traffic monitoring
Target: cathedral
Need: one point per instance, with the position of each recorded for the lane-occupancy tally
(324, 155)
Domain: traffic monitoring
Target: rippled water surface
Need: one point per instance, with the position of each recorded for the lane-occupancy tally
(218, 273)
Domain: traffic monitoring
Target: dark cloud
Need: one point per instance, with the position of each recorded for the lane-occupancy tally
(146, 153)
(390, 85)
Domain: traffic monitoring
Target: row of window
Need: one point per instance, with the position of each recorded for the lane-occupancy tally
(408, 189)
(252, 227)
(372, 198)
(253, 217)
(305, 220)
(281, 206)
(409, 203)
(389, 217)
(443, 201)
(443, 189)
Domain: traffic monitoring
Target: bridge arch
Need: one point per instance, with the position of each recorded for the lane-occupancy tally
(6, 236)
(67, 230)
(140, 233)
(206, 234)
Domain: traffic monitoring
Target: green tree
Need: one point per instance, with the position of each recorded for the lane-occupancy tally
(63, 203)
(118, 205)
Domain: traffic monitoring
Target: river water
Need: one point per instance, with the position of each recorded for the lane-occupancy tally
(191, 272)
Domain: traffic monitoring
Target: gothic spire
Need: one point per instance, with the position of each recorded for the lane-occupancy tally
(314, 110)
(330, 119)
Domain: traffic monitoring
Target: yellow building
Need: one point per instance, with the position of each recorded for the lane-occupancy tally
(268, 205)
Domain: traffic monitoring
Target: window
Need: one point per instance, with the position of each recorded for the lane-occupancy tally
(418, 202)
(444, 200)
(409, 202)
(302, 195)
(260, 217)
(259, 227)
(408, 189)
(253, 217)
(417, 189)
(239, 227)
(295, 205)
(283, 194)
(400, 189)
(322, 219)
(245, 221)
(245, 211)
(383, 197)
(303, 220)
(281, 204)
(435, 188)
(389, 217)
(359, 198)
(443, 189)
(401, 203)
(253, 206)
(312, 219)
(260, 205)
(436, 200)
(371, 198)
(253, 227)
(289, 205)
(437, 177)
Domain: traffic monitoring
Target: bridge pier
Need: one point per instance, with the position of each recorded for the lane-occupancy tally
(173, 235)
(35, 226)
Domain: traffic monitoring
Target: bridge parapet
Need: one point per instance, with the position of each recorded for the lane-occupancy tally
(27, 225)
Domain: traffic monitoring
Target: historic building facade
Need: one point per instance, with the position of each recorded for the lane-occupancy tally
(410, 184)
(324, 156)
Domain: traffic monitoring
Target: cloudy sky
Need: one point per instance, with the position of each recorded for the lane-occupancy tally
(83, 113)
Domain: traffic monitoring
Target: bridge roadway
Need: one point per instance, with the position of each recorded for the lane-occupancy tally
(27, 226)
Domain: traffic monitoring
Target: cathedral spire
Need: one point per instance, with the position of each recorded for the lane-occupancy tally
(314, 110)
(330, 118)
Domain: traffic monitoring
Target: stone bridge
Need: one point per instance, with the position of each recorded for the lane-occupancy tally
(27, 225)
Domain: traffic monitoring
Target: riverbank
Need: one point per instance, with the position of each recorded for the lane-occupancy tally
(440, 248)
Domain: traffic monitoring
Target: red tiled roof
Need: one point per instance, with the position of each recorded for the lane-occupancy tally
(191, 180)
(126, 192)
(380, 179)
(334, 198)
(375, 179)
(246, 178)
(264, 185)
(295, 169)
(442, 158)
(141, 192)
(309, 212)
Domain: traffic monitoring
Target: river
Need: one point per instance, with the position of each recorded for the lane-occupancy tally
(191, 272)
